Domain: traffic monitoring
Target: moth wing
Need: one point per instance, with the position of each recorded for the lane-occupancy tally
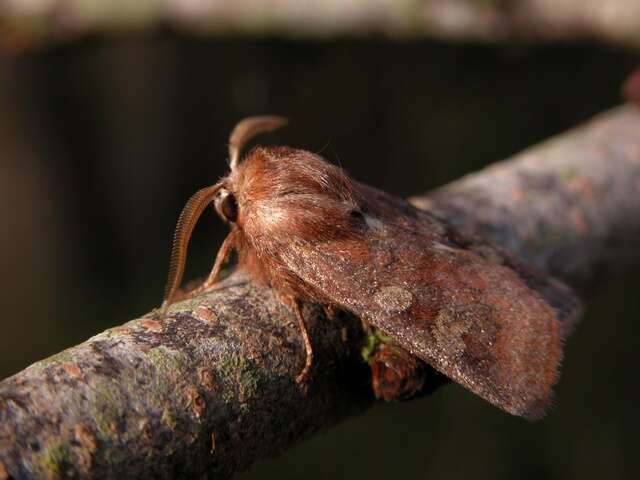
(463, 309)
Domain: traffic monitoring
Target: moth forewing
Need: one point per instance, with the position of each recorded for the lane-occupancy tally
(468, 315)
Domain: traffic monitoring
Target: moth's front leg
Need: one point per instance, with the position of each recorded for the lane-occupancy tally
(223, 254)
(212, 279)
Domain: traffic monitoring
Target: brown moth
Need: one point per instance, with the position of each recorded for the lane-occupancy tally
(304, 228)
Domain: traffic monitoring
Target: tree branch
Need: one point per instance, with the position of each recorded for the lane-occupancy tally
(570, 206)
(609, 21)
(209, 389)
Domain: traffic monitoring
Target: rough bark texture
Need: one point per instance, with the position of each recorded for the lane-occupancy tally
(609, 21)
(208, 388)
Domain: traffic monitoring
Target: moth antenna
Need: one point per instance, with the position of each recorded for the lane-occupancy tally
(248, 128)
(186, 223)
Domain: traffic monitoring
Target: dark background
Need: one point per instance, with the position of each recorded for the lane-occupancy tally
(103, 140)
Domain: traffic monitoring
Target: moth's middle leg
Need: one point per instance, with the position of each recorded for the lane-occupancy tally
(303, 376)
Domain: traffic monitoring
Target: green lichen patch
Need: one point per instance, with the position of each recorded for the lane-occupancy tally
(108, 406)
(57, 461)
(247, 376)
(184, 306)
(171, 367)
(169, 418)
(373, 340)
(170, 362)
(58, 358)
(161, 390)
(570, 173)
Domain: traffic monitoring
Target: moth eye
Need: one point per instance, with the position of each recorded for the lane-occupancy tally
(356, 214)
(227, 206)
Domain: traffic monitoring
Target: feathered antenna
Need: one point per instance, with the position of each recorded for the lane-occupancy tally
(186, 223)
(248, 128)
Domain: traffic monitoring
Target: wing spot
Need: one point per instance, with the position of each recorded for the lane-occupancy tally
(463, 328)
(393, 299)
(448, 330)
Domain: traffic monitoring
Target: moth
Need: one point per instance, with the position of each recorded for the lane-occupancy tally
(303, 227)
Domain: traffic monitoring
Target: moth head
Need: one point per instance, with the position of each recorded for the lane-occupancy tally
(222, 195)
(225, 201)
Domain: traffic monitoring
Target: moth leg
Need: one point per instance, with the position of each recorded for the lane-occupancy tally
(222, 255)
(303, 376)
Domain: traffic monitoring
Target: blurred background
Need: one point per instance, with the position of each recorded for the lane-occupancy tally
(110, 121)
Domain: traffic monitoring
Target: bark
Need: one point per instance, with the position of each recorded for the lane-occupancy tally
(208, 388)
(608, 21)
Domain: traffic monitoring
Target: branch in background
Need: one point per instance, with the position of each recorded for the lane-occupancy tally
(24, 24)
(570, 206)
(209, 388)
